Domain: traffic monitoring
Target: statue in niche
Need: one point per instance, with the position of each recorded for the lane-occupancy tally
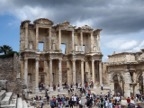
(53, 45)
(31, 45)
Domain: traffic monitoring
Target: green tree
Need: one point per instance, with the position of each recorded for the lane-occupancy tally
(5, 49)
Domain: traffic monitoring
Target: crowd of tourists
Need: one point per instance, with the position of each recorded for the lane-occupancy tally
(86, 99)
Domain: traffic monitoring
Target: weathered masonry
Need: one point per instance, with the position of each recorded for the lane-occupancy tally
(125, 73)
(58, 54)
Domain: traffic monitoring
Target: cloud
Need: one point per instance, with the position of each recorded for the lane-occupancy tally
(122, 44)
(114, 16)
(138, 47)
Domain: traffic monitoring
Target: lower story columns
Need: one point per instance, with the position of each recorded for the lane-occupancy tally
(60, 74)
(74, 72)
(93, 72)
(100, 73)
(26, 71)
(82, 73)
(37, 75)
(51, 76)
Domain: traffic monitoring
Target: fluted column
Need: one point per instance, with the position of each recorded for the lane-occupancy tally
(50, 45)
(26, 36)
(59, 44)
(81, 40)
(46, 71)
(74, 72)
(26, 71)
(72, 41)
(100, 73)
(60, 73)
(37, 33)
(93, 72)
(22, 68)
(37, 75)
(91, 49)
(82, 73)
(50, 75)
(68, 72)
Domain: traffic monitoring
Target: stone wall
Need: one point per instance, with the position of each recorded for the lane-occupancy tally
(9, 70)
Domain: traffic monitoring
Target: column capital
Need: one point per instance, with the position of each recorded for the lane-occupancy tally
(60, 59)
(82, 60)
(73, 60)
(59, 29)
(50, 58)
(25, 58)
(37, 59)
(92, 60)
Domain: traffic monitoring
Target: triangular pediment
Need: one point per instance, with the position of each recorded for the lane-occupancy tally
(43, 21)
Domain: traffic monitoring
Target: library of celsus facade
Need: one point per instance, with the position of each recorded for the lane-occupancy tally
(57, 54)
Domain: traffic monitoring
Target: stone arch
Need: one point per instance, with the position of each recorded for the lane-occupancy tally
(118, 82)
(140, 82)
(119, 76)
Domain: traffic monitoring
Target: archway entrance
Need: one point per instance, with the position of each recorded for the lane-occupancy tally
(141, 87)
(118, 84)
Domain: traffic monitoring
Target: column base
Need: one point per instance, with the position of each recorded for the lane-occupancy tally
(61, 88)
(94, 87)
(36, 90)
(50, 88)
(74, 87)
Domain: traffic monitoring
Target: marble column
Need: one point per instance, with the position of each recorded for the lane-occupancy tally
(73, 41)
(82, 73)
(37, 34)
(46, 71)
(100, 73)
(37, 75)
(60, 73)
(50, 45)
(74, 72)
(22, 68)
(59, 38)
(98, 42)
(50, 75)
(91, 36)
(81, 40)
(69, 74)
(26, 36)
(93, 72)
(26, 71)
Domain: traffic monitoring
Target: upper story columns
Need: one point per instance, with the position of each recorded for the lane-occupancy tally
(81, 38)
(59, 39)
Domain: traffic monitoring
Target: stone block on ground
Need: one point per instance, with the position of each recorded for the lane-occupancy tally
(2, 94)
(6, 100)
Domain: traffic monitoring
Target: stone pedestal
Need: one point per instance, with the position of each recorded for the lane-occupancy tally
(127, 90)
(50, 88)
(36, 90)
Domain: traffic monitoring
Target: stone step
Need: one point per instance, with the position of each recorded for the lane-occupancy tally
(6, 100)
(8, 106)
(2, 94)
(19, 103)
(25, 105)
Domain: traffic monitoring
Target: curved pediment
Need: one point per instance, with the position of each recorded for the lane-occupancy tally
(43, 21)
(65, 25)
(86, 27)
(141, 57)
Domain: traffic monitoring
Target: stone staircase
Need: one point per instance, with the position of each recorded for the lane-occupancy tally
(10, 100)
(7, 99)
(97, 90)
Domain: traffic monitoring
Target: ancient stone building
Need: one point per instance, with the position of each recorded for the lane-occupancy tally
(10, 73)
(126, 73)
(55, 54)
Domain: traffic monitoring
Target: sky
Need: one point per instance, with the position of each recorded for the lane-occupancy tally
(121, 21)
